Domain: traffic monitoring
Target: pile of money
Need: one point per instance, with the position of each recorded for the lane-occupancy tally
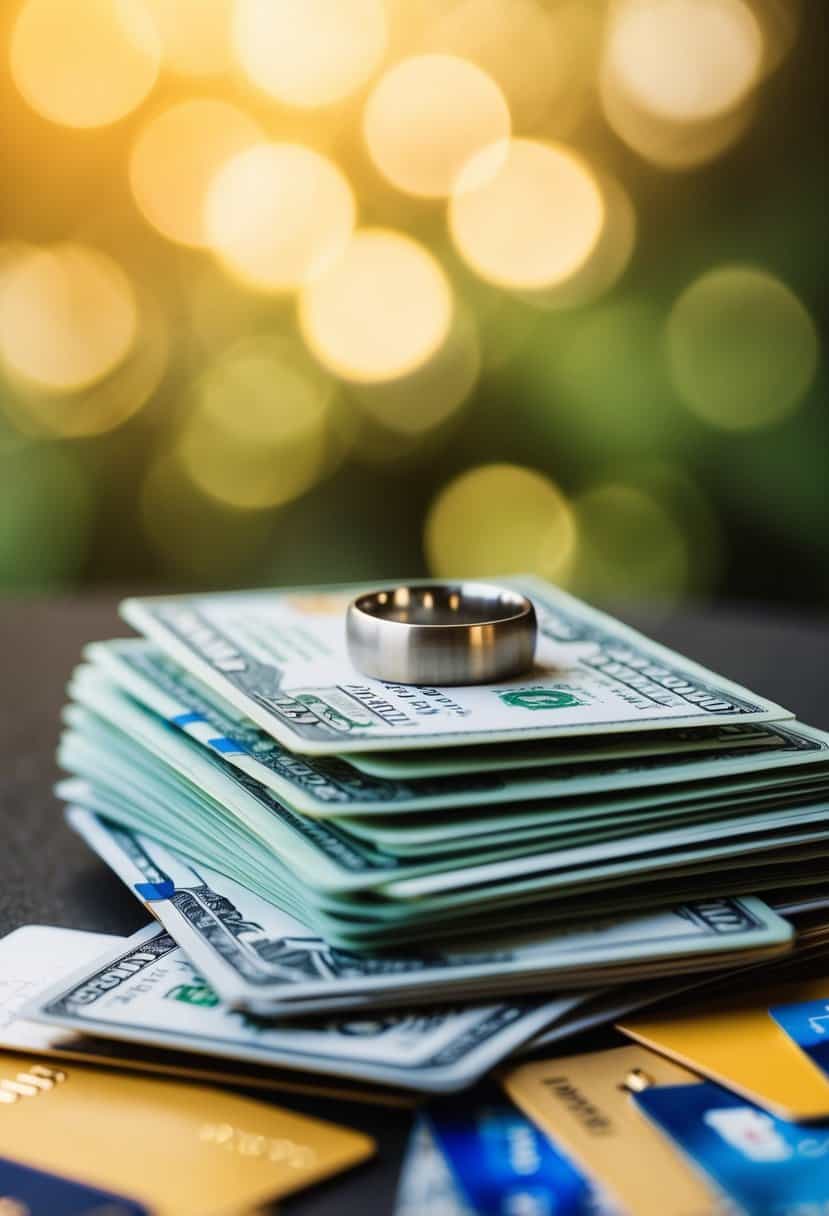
(540, 853)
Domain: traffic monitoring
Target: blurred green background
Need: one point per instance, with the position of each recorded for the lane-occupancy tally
(352, 288)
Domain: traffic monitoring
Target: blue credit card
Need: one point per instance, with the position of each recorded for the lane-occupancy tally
(36, 1193)
(502, 1164)
(768, 1167)
(807, 1025)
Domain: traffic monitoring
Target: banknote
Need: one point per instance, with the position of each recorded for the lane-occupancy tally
(36, 955)
(148, 991)
(439, 833)
(330, 787)
(110, 755)
(347, 920)
(257, 957)
(544, 753)
(279, 656)
(209, 795)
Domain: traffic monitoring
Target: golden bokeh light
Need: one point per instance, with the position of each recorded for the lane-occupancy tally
(411, 405)
(381, 311)
(743, 350)
(311, 53)
(195, 35)
(278, 215)
(630, 546)
(68, 316)
(607, 260)
(499, 519)
(108, 403)
(175, 157)
(780, 22)
(542, 56)
(258, 432)
(84, 64)
(686, 59)
(677, 76)
(427, 116)
(532, 223)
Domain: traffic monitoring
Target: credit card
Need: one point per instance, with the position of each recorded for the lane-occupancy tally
(28, 1192)
(426, 1182)
(503, 1164)
(180, 1149)
(765, 1165)
(807, 1025)
(581, 1103)
(737, 1042)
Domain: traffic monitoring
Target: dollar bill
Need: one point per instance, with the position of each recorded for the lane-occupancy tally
(148, 991)
(317, 874)
(581, 895)
(280, 658)
(422, 763)
(259, 958)
(326, 787)
(326, 856)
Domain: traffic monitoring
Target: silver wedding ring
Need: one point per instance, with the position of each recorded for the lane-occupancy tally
(444, 633)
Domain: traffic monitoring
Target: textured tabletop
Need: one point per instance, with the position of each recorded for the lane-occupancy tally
(47, 876)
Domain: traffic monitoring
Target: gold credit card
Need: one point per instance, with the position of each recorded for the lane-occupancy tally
(582, 1103)
(180, 1149)
(736, 1042)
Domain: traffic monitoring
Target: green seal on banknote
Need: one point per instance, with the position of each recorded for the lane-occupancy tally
(540, 698)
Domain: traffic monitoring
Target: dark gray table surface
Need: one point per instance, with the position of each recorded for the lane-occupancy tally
(47, 876)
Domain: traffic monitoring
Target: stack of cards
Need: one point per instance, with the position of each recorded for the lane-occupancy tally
(734, 1120)
(313, 841)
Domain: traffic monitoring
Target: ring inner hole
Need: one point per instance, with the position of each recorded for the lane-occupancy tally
(443, 606)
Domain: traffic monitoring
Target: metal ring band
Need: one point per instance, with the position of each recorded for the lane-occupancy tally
(443, 633)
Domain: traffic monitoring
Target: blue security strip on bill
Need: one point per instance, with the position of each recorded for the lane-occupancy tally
(25, 1191)
(766, 1166)
(503, 1164)
(807, 1025)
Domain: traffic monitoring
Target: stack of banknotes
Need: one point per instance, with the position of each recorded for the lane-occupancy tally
(447, 874)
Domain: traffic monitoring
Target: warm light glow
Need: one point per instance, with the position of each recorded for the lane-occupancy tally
(499, 519)
(427, 116)
(108, 403)
(743, 349)
(312, 52)
(780, 22)
(413, 404)
(84, 63)
(257, 434)
(175, 157)
(278, 215)
(542, 56)
(195, 34)
(607, 259)
(534, 222)
(630, 546)
(67, 316)
(685, 59)
(381, 310)
(677, 76)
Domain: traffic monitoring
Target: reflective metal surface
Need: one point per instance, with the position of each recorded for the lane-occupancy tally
(445, 633)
